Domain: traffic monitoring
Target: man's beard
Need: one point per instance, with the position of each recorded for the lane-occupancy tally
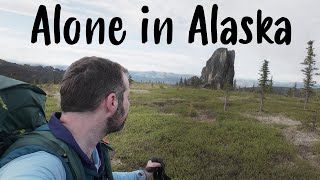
(113, 121)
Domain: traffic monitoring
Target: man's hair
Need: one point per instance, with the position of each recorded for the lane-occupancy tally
(89, 80)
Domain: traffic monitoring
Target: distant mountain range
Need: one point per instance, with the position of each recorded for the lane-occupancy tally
(31, 74)
(53, 74)
(151, 76)
(154, 76)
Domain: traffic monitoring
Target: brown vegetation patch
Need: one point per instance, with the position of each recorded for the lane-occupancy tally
(305, 152)
(207, 116)
(168, 102)
(114, 161)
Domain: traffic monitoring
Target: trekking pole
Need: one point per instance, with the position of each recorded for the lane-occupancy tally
(159, 173)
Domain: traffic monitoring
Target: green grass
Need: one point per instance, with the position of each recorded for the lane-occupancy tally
(166, 122)
(52, 103)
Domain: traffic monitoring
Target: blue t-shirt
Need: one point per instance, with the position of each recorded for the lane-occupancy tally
(43, 165)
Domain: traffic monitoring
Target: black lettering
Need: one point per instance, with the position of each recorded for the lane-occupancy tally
(214, 16)
(112, 29)
(67, 31)
(244, 23)
(89, 30)
(232, 30)
(286, 30)
(57, 13)
(198, 16)
(144, 32)
(41, 15)
(158, 30)
(263, 27)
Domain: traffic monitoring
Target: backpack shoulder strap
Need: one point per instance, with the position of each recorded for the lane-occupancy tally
(44, 140)
(108, 171)
(70, 156)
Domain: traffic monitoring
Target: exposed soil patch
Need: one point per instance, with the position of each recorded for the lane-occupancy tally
(278, 120)
(300, 138)
(115, 162)
(303, 140)
(139, 91)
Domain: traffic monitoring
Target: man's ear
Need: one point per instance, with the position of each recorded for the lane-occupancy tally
(111, 103)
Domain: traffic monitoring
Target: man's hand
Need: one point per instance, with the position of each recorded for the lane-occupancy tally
(150, 168)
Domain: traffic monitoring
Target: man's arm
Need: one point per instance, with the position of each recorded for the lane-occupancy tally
(43, 165)
(134, 175)
(34, 166)
(137, 175)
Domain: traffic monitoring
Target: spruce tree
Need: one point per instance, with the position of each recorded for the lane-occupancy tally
(270, 85)
(263, 82)
(130, 80)
(309, 72)
(289, 92)
(185, 82)
(294, 89)
(181, 82)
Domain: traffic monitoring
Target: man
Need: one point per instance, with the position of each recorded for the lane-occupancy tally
(94, 102)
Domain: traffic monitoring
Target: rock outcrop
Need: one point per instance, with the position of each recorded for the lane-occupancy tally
(219, 69)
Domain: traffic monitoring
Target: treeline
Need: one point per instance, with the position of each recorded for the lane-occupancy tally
(31, 74)
(194, 81)
(286, 91)
(309, 71)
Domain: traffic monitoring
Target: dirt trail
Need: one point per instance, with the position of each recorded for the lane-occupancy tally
(301, 139)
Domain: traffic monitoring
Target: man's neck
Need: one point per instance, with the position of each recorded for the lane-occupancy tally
(84, 129)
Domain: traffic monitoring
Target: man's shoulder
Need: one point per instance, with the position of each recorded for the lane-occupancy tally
(43, 140)
(35, 165)
(40, 139)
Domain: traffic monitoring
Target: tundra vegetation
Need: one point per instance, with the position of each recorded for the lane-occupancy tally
(198, 139)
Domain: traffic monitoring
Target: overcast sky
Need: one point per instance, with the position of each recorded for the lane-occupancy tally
(17, 18)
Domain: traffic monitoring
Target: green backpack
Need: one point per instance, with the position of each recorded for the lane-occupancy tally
(22, 109)
(23, 126)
